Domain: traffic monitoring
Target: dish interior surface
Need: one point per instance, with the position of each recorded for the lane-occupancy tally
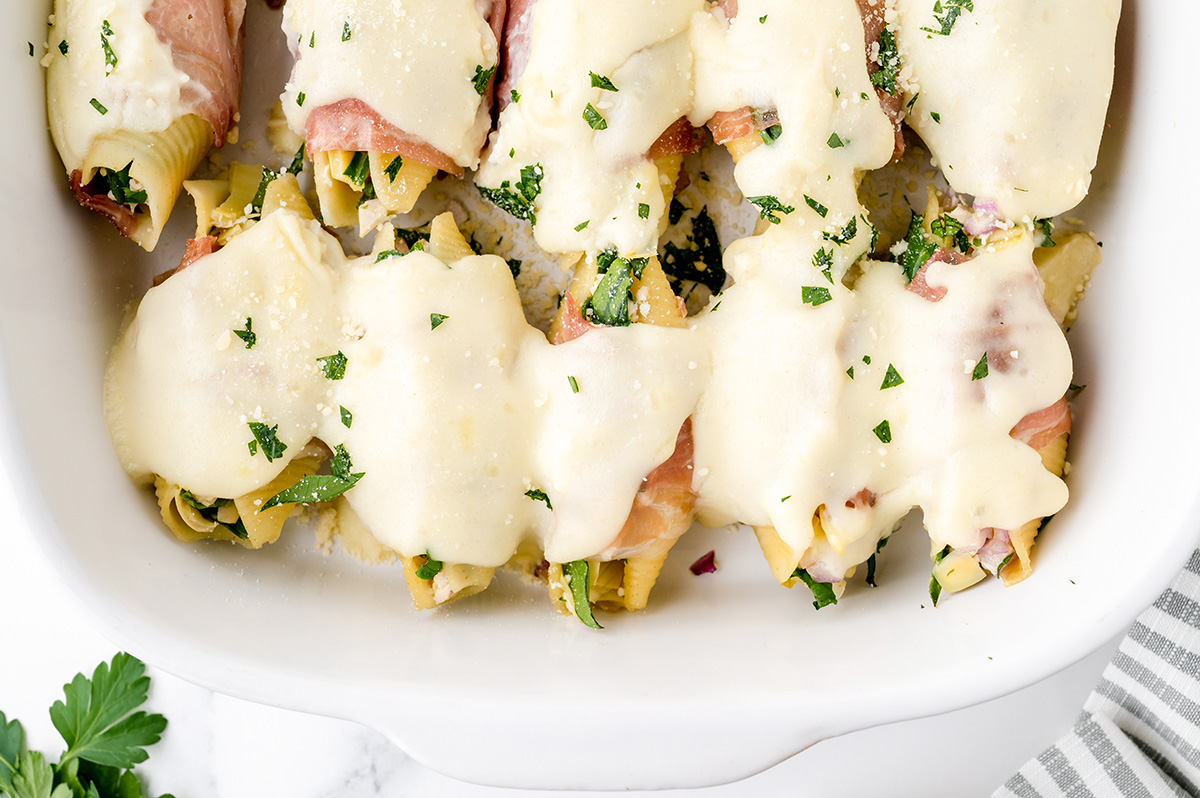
(725, 674)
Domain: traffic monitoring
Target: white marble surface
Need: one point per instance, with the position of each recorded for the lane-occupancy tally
(221, 747)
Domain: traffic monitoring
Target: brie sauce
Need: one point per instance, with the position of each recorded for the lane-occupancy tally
(458, 408)
(784, 431)
(141, 94)
(804, 58)
(181, 389)
(414, 62)
(596, 179)
(1020, 91)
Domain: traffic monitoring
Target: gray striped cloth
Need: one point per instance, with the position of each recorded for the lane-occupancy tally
(1139, 732)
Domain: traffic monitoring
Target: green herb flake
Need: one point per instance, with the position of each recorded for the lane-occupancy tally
(517, 202)
(96, 104)
(430, 568)
(891, 379)
(883, 431)
(392, 170)
(870, 580)
(346, 31)
(823, 262)
(843, 236)
(582, 225)
(601, 82)
(347, 416)
(981, 369)
(359, 169)
(850, 372)
(949, 12)
(835, 141)
(266, 438)
(771, 134)
(577, 576)
(643, 210)
(481, 78)
(30, 49)
(1004, 564)
(539, 496)
(884, 78)
(919, 249)
(260, 194)
(593, 118)
(762, 20)
(1046, 228)
(574, 384)
(820, 209)
(120, 186)
(866, 359)
(247, 335)
(333, 366)
(815, 295)
(388, 253)
(769, 207)
(63, 47)
(515, 95)
(312, 40)
(436, 319)
(320, 487)
(935, 587)
(785, 498)
(300, 99)
(912, 102)
(110, 57)
(610, 301)
(297, 165)
(822, 592)
(937, 118)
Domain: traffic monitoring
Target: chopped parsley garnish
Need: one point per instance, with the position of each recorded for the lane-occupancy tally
(333, 366)
(574, 384)
(883, 431)
(312, 40)
(582, 225)
(867, 359)
(949, 11)
(675, 211)
(320, 487)
(815, 295)
(63, 47)
(949, 227)
(436, 319)
(359, 169)
(891, 379)
(919, 250)
(593, 118)
(610, 301)
(850, 372)
(981, 369)
(935, 587)
(771, 134)
(515, 95)
(347, 416)
(247, 335)
(519, 202)
(1046, 228)
(845, 235)
(1004, 563)
(388, 253)
(119, 186)
(297, 165)
(300, 99)
(938, 118)
(267, 439)
(576, 574)
(643, 210)
(871, 562)
(835, 141)
(210, 512)
(539, 496)
(260, 194)
(863, 96)
(770, 206)
(30, 49)
(821, 210)
(702, 262)
(762, 20)
(823, 262)
(393, 168)
(913, 101)
(96, 104)
(785, 498)
(346, 31)
(822, 592)
(601, 82)
(430, 568)
(884, 78)
(481, 78)
(110, 58)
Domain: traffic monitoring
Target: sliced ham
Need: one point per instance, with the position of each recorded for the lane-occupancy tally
(205, 38)
(514, 50)
(353, 125)
(120, 215)
(922, 288)
(665, 506)
(729, 125)
(893, 105)
(196, 249)
(1041, 427)
(678, 139)
(571, 323)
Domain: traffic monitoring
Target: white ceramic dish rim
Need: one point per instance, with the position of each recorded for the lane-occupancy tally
(743, 714)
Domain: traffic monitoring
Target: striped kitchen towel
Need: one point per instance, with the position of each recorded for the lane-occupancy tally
(1139, 732)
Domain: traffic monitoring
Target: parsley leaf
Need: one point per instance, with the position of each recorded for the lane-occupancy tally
(300, 99)
(347, 416)
(950, 11)
(63, 47)
(577, 578)
(771, 134)
(519, 202)
(1046, 228)
(870, 580)
(346, 31)
(436, 319)
(12, 740)
(845, 235)
(835, 141)
(393, 168)
(110, 57)
(320, 487)
(594, 119)
(891, 379)
(481, 78)
(981, 369)
(297, 165)
(770, 206)
(120, 186)
(883, 431)
(333, 366)
(515, 95)
(643, 210)
(823, 262)
(430, 568)
(815, 295)
(97, 718)
(610, 300)
(539, 496)
(823, 594)
(359, 169)
(935, 587)
(574, 384)
(919, 250)
(601, 82)
(267, 438)
(211, 512)
(821, 210)
(885, 77)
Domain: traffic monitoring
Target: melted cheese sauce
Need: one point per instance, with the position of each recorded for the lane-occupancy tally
(413, 61)
(141, 94)
(597, 176)
(1021, 90)
(452, 424)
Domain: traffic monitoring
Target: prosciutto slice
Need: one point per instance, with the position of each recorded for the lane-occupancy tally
(893, 105)
(354, 125)
(205, 37)
(121, 216)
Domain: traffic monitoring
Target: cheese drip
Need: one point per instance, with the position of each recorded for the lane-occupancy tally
(596, 172)
(459, 407)
(784, 430)
(141, 94)
(1011, 102)
(415, 63)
